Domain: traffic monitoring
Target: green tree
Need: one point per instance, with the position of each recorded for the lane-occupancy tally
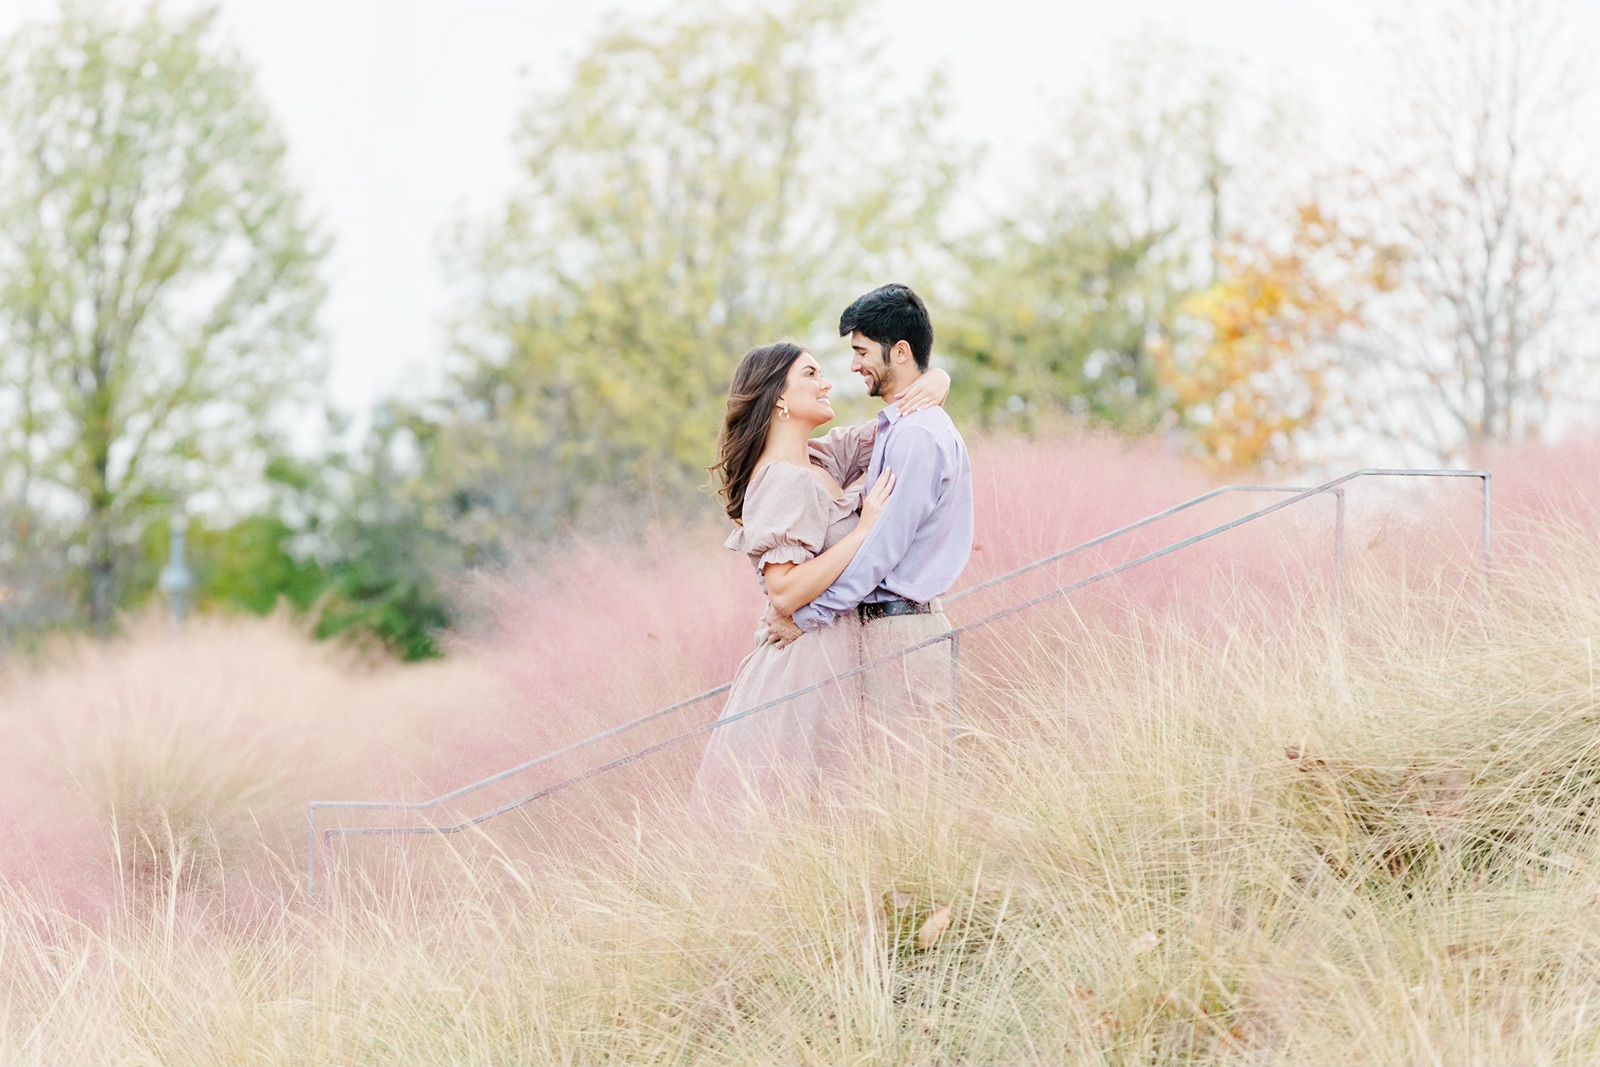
(252, 564)
(339, 542)
(386, 568)
(705, 182)
(1054, 321)
(1157, 162)
(35, 582)
(158, 276)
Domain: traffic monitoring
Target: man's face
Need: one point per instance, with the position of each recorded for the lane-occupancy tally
(871, 362)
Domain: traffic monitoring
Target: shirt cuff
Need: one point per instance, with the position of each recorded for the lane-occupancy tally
(812, 618)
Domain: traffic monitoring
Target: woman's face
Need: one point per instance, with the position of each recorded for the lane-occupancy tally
(806, 393)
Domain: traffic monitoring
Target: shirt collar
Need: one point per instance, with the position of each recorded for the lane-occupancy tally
(890, 413)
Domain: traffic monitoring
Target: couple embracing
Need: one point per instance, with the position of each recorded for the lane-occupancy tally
(853, 537)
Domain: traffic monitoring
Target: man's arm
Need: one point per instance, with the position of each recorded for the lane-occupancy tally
(918, 464)
(845, 451)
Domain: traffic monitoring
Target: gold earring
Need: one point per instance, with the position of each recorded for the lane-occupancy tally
(783, 411)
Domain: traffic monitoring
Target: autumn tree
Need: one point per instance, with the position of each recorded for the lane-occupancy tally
(704, 182)
(158, 275)
(1484, 180)
(1259, 363)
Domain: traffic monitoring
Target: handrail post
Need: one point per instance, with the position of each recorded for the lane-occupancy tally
(311, 850)
(955, 700)
(1487, 504)
(1338, 550)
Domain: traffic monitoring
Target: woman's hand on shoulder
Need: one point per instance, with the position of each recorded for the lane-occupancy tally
(932, 388)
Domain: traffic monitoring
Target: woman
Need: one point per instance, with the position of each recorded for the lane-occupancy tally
(802, 514)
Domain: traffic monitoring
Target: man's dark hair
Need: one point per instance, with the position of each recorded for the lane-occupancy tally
(889, 314)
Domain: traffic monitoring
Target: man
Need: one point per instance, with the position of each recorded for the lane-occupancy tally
(923, 538)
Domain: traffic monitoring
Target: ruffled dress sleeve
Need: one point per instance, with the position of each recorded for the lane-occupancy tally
(845, 451)
(785, 517)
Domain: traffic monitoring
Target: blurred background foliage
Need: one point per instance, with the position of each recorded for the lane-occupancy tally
(702, 182)
(159, 278)
(1173, 257)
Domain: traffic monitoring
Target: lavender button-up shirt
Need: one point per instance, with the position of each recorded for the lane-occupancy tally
(920, 544)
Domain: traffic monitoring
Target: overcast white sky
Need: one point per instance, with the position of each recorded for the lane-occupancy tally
(399, 113)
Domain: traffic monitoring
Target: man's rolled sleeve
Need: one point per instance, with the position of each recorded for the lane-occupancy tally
(914, 457)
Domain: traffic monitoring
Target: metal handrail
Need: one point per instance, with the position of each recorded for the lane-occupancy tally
(953, 636)
(1120, 531)
(688, 702)
(709, 693)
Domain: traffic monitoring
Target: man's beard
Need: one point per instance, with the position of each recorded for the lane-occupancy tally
(880, 382)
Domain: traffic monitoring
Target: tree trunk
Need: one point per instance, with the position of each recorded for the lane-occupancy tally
(98, 437)
(102, 586)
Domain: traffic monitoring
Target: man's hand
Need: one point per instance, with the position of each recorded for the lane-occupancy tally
(781, 630)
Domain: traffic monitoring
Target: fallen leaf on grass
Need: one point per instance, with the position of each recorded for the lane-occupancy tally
(1300, 758)
(1463, 952)
(934, 927)
(1450, 794)
(1145, 942)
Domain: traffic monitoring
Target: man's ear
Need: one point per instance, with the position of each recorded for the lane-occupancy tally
(901, 351)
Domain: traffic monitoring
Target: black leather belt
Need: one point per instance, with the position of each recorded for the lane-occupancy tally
(879, 609)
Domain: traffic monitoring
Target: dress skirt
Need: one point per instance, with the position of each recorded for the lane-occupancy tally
(784, 754)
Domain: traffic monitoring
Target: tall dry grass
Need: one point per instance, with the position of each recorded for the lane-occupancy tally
(1201, 816)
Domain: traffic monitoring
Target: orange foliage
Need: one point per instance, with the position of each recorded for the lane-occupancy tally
(1267, 331)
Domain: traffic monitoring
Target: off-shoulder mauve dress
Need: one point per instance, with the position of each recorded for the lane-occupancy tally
(781, 752)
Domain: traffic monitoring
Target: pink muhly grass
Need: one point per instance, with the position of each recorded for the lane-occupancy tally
(204, 746)
(1537, 481)
(601, 635)
(230, 727)
(1038, 498)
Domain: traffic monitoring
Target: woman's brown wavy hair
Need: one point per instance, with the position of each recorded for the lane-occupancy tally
(752, 399)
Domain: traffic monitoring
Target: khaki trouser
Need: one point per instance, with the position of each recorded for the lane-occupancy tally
(907, 700)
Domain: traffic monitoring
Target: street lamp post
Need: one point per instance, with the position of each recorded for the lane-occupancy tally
(176, 581)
